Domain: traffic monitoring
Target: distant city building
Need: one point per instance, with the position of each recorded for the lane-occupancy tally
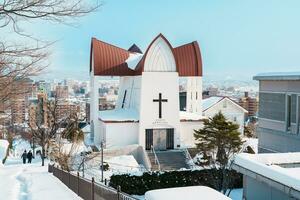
(210, 92)
(19, 100)
(278, 115)
(250, 104)
(65, 109)
(62, 92)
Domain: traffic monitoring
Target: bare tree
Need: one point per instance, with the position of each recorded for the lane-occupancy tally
(50, 127)
(20, 60)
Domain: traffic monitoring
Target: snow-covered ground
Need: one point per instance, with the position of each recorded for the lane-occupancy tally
(31, 182)
(125, 164)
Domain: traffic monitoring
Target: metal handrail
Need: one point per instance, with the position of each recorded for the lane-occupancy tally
(189, 158)
(155, 158)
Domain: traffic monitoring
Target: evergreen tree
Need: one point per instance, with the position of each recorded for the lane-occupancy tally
(218, 141)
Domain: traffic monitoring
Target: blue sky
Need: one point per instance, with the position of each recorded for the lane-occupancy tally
(238, 38)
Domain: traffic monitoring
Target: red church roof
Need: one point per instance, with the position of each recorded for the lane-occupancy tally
(110, 60)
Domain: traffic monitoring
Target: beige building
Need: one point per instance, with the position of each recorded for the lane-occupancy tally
(250, 104)
(62, 92)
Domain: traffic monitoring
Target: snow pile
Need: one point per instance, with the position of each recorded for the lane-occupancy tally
(125, 163)
(3, 149)
(119, 115)
(190, 193)
(73, 148)
(133, 60)
(267, 165)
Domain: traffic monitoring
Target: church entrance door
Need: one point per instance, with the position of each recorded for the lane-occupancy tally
(160, 139)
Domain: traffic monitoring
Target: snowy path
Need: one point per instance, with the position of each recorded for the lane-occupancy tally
(31, 182)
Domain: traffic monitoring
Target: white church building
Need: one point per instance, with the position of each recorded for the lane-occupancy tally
(147, 110)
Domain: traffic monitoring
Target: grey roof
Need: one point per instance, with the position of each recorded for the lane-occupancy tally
(277, 76)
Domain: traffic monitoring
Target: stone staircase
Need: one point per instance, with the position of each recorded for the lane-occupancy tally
(169, 160)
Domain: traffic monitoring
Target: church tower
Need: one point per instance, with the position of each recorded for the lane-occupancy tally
(194, 95)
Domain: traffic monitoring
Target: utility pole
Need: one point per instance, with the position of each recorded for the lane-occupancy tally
(33, 147)
(102, 161)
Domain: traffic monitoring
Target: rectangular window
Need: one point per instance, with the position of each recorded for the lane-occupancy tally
(272, 106)
(289, 112)
(124, 99)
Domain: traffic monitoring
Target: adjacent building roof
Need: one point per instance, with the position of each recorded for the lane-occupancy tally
(110, 60)
(211, 101)
(278, 76)
(281, 170)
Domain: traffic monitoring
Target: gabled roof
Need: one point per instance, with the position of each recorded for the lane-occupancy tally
(212, 101)
(110, 60)
(135, 48)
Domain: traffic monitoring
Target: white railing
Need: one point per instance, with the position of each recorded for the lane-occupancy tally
(156, 161)
(189, 159)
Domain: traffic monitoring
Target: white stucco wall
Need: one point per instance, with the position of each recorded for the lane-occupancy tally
(194, 95)
(94, 106)
(121, 134)
(167, 84)
(133, 86)
(187, 133)
(231, 111)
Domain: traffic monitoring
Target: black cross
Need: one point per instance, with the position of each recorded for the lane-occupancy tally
(160, 100)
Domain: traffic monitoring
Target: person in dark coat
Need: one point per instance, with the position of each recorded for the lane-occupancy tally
(24, 156)
(29, 156)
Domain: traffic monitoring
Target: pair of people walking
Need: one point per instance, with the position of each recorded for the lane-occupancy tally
(27, 156)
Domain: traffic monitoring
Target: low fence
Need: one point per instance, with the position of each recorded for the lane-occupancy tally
(88, 189)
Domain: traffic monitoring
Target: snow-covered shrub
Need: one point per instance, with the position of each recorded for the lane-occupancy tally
(138, 185)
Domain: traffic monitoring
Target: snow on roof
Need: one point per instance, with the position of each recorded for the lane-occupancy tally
(209, 102)
(133, 60)
(268, 165)
(119, 115)
(277, 76)
(188, 116)
(190, 193)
